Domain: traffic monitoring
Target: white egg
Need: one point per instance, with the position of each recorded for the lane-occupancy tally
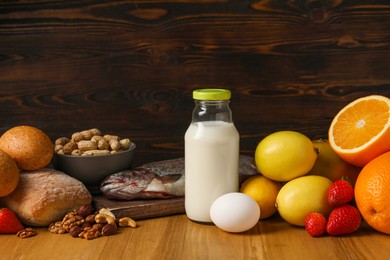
(235, 212)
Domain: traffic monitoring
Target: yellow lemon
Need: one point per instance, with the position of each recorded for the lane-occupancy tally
(285, 155)
(301, 196)
(264, 191)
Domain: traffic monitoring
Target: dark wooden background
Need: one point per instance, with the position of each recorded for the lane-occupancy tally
(129, 67)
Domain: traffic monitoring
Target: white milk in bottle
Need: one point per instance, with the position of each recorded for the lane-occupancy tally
(211, 153)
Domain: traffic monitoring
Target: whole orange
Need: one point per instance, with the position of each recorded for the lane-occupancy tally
(372, 193)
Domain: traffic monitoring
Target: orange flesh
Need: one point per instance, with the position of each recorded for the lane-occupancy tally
(360, 123)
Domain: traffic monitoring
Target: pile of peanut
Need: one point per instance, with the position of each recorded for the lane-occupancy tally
(91, 142)
(85, 223)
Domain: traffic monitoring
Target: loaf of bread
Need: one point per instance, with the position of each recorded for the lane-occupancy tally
(45, 196)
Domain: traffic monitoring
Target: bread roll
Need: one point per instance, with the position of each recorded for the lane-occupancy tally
(45, 196)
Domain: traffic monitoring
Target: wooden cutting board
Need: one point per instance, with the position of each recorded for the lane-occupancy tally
(141, 209)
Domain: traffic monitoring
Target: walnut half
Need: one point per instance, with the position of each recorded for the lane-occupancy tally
(26, 232)
(89, 233)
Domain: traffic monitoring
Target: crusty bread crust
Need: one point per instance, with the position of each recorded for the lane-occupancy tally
(45, 196)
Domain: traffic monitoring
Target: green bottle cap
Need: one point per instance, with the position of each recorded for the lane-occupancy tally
(211, 94)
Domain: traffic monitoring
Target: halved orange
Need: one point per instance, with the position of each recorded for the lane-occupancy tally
(361, 130)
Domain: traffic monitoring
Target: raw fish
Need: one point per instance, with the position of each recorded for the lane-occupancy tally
(159, 180)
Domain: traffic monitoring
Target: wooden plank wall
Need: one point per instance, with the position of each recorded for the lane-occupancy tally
(129, 67)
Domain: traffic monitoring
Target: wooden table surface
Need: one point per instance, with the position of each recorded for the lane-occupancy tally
(176, 237)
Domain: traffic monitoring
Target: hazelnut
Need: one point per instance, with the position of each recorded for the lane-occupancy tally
(98, 226)
(86, 225)
(109, 230)
(85, 211)
(75, 231)
(91, 218)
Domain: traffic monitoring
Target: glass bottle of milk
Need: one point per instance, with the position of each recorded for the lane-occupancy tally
(211, 153)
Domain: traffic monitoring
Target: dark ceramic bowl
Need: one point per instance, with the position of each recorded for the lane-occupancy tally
(92, 170)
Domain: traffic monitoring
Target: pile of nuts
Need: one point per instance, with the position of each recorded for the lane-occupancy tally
(91, 142)
(85, 223)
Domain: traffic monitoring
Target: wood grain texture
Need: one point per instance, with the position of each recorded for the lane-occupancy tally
(176, 237)
(129, 67)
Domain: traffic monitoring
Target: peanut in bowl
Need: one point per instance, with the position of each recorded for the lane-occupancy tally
(90, 156)
(93, 169)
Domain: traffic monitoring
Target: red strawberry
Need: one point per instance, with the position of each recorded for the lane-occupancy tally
(9, 223)
(343, 220)
(340, 193)
(315, 224)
